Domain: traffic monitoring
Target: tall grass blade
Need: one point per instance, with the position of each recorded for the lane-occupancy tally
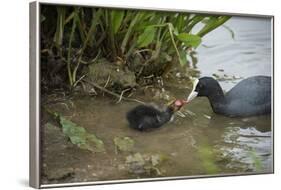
(60, 26)
(146, 37)
(69, 52)
(89, 34)
(213, 24)
(116, 19)
(136, 18)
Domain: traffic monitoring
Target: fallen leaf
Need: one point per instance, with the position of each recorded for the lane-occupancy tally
(80, 137)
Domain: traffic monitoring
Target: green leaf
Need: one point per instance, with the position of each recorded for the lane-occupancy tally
(210, 20)
(80, 137)
(116, 20)
(124, 143)
(212, 23)
(183, 60)
(180, 22)
(146, 37)
(194, 21)
(189, 40)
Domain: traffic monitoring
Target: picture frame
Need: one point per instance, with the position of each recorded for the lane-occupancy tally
(36, 136)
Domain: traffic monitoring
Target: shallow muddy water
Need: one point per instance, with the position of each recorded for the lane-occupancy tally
(200, 143)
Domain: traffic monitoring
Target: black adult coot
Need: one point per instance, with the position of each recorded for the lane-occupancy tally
(144, 117)
(251, 96)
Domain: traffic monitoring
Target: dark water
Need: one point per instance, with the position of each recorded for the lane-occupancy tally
(198, 142)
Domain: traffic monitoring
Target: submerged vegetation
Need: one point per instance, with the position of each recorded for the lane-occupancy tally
(141, 42)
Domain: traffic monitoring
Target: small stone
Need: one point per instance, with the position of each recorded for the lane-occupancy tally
(174, 154)
(94, 175)
(121, 167)
(84, 170)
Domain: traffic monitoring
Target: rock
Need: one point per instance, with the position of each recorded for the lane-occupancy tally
(174, 154)
(135, 164)
(105, 73)
(138, 62)
(54, 165)
(121, 167)
(124, 143)
(60, 173)
(145, 164)
(155, 159)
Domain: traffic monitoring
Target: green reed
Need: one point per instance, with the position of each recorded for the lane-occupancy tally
(82, 34)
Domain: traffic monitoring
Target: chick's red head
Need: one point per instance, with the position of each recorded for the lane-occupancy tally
(177, 104)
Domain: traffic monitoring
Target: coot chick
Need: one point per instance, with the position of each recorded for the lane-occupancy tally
(251, 96)
(144, 117)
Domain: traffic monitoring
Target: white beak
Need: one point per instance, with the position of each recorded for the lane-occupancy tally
(193, 93)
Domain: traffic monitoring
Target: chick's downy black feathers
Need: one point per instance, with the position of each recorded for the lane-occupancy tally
(145, 117)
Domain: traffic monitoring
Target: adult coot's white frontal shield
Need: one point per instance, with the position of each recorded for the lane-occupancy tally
(193, 93)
